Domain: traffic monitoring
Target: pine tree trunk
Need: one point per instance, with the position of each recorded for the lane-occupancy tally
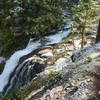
(83, 37)
(98, 33)
(73, 37)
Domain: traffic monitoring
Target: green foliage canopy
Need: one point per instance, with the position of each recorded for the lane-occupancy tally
(36, 16)
(20, 18)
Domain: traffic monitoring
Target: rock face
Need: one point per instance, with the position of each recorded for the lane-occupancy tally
(85, 75)
(2, 59)
(2, 62)
(46, 53)
(79, 79)
(56, 73)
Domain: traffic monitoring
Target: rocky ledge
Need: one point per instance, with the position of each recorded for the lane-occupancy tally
(77, 80)
(58, 72)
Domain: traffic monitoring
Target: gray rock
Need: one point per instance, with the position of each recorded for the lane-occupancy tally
(2, 59)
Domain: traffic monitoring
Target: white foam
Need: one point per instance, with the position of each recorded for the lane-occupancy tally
(57, 37)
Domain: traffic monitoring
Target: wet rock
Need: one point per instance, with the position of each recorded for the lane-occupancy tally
(46, 53)
(2, 59)
(2, 63)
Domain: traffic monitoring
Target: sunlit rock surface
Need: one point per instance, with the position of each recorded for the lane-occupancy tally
(79, 78)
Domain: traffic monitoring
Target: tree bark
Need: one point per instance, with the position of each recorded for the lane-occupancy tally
(73, 37)
(98, 33)
(83, 36)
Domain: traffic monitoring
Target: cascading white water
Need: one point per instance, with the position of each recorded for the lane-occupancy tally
(14, 59)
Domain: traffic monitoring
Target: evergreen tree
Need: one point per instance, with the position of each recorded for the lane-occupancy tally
(81, 15)
(35, 16)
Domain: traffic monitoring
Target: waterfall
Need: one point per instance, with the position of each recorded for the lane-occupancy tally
(13, 61)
